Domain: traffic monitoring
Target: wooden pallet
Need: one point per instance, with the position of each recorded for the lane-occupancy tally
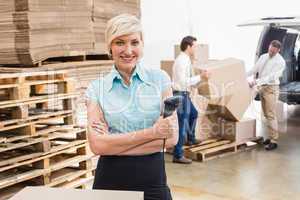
(210, 149)
(16, 113)
(46, 155)
(44, 176)
(47, 140)
(216, 148)
(73, 56)
(37, 100)
(26, 86)
(72, 67)
(80, 56)
(34, 115)
(67, 176)
(10, 131)
(185, 147)
(41, 169)
(79, 182)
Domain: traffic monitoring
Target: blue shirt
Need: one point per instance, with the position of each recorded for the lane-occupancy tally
(134, 107)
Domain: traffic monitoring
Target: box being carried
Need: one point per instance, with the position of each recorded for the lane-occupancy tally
(227, 89)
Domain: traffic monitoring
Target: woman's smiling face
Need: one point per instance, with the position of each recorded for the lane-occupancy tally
(127, 50)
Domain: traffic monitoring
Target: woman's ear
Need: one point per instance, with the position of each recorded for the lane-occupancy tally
(110, 54)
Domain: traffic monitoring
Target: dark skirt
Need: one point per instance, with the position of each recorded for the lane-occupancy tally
(134, 173)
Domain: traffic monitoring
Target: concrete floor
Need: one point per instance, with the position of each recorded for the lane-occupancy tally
(250, 175)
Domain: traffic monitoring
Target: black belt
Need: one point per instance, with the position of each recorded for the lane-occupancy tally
(176, 92)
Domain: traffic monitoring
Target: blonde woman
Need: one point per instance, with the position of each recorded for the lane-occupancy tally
(125, 126)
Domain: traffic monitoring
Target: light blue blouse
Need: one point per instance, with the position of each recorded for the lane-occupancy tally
(134, 107)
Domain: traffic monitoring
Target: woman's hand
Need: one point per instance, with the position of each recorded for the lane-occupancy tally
(100, 127)
(164, 127)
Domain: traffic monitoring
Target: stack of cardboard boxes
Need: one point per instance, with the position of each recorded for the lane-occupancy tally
(222, 99)
(103, 10)
(34, 30)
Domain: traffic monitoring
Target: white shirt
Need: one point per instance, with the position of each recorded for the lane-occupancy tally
(182, 73)
(269, 69)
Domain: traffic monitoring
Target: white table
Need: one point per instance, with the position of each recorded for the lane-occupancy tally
(46, 193)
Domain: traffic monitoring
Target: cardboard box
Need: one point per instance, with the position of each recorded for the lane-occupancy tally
(46, 193)
(203, 129)
(239, 132)
(206, 128)
(198, 67)
(201, 55)
(227, 89)
(226, 76)
(167, 65)
(176, 50)
(33, 31)
(231, 107)
(213, 126)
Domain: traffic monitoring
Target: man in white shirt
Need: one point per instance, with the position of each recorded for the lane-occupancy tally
(183, 80)
(267, 71)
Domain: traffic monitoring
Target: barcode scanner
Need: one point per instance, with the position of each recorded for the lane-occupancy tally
(170, 105)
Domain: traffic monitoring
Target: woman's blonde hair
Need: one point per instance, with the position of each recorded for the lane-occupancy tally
(123, 24)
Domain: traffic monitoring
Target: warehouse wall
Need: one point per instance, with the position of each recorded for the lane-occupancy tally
(213, 22)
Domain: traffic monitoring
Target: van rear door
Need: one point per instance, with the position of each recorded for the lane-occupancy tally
(284, 22)
(286, 30)
(275, 28)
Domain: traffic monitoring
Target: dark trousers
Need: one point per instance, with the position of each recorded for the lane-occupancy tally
(134, 173)
(187, 118)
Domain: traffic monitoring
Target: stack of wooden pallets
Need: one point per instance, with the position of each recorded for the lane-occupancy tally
(39, 144)
(49, 53)
(82, 72)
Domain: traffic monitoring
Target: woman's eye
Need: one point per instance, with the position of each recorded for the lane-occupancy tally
(120, 43)
(135, 43)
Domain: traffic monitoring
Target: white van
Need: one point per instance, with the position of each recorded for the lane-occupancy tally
(286, 30)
